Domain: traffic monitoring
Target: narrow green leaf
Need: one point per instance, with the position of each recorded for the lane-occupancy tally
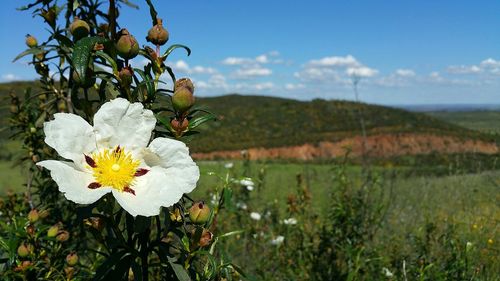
(200, 120)
(175, 46)
(82, 54)
(179, 270)
(31, 51)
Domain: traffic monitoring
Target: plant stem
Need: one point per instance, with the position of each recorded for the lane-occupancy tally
(112, 18)
(144, 254)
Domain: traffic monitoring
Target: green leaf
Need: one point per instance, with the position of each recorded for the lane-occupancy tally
(82, 54)
(175, 46)
(141, 224)
(200, 120)
(164, 122)
(109, 60)
(179, 271)
(147, 81)
(152, 12)
(31, 51)
(107, 266)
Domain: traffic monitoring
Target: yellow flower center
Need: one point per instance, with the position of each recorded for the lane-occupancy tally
(114, 167)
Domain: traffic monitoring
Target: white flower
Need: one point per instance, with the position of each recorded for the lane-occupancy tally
(241, 205)
(113, 156)
(255, 216)
(278, 240)
(249, 187)
(228, 165)
(290, 221)
(387, 272)
(247, 182)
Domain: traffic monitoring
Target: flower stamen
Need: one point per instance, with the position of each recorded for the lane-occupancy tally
(114, 168)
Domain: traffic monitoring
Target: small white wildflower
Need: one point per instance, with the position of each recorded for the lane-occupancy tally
(249, 187)
(247, 182)
(255, 216)
(290, 221)
(229, 165)
(387, 272)
(469, 246)
(278, 240)
(267, 214)
(241, 205)
(213, 199)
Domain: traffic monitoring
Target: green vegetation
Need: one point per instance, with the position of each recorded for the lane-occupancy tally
(484, 121)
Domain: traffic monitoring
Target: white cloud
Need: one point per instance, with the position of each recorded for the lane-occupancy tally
(236, 61)
(490, 63)
(405, 73)
(262, 59)
(291, 86)
(361, 72)
(182, 66)
(264, 86)
(9, 77)
(335, 61)
(252, 72)
(464, 69)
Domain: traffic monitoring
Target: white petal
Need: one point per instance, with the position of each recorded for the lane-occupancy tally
(153, 190)
(73, 183)
(174, 157)
(70, 135)
(119, 122)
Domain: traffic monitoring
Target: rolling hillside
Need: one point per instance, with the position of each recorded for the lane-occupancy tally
(276, 127)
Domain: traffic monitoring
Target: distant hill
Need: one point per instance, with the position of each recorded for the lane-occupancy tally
(268, 122)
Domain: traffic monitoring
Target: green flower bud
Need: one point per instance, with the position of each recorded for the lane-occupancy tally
(31, 41)
(79, 29)
(183, 99)
(62, 236)
(199, 213)
(158, 35)
(44, 214)
(33, 214)
(72, 259)
(24, 250)
(53, 230)
(126, 45)
(70, 271)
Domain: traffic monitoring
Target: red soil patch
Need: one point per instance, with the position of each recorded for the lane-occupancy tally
(376, 146)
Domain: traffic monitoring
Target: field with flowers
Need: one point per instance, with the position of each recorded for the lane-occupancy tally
(110, 171)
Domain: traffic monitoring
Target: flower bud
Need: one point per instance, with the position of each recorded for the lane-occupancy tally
(33, 214)
(53, 230)
(31, 41)
(183, 99)
(23, 266)
(158, 35)
(70, 271)
(79, 29)
(179, 127)
(199, 213)
(206, 238)
(30, 229)
(62, 236)
(126, 45)
(61, 105)
(44, 214)
(72, 259)
(184, 82)
(126, 74)
(24, 250)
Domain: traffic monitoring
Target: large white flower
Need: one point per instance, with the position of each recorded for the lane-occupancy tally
(113, 156)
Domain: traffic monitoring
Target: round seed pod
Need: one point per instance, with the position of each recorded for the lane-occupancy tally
(158, 35)
(79, 29)
(126, 45)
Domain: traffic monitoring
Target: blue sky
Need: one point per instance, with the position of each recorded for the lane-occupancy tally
(406, 52)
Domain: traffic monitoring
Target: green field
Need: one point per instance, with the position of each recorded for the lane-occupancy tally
(484, 121)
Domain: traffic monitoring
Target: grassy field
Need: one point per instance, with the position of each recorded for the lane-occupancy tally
(484, 121)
